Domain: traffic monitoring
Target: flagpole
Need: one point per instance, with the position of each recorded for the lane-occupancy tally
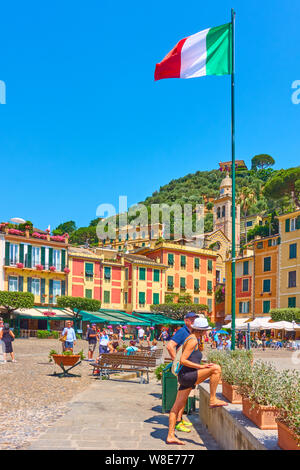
(233, 251)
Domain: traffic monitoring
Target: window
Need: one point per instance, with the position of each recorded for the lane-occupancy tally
(126, 274)
(142, 272)
(293, 250)
(292, 302)
(209, 265)
(13, 254)
(218, 276)
(249, 223)
(209, 287)
(142, 298)
(56, 290)
(125, 298)
(182, 283)
(196, 300)
(223, 211)
(209, 304)
(292, 279)
(170, 259)
(267, 285)
(196, 285)
(267, 264)
(155, 299)
(244, 307)
(56, 259)
(36, 256)
(245, 285)
(156, 275)
(106, 297)
(89, 271)
(89, 293)
(266, 306)
(35, 286)
(107, 273)
(170, 282)
(218, 212)
(259, 245)
(246, 268)
(197, 264)
(293, 224)
(13, 284)
(183, 261)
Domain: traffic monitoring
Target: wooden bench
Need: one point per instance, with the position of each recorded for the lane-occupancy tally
(120, 362)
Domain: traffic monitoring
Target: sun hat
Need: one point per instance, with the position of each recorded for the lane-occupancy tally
(191, 315)
(201, 324)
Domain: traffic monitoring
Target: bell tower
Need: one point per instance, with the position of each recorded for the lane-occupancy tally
(222, 212)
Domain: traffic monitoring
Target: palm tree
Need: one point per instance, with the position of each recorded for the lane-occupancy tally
(246, 199)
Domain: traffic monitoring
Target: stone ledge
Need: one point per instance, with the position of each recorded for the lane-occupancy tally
(230, 428)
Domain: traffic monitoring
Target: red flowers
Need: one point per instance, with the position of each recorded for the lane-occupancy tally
(39, 267)
(52, 268)
(67, 270)
(20, 265)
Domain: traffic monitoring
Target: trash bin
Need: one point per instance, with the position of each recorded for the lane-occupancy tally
(169, 392)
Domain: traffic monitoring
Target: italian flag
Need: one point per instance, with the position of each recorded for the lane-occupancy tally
(208, 52)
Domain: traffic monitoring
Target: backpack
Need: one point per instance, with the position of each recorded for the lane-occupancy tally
(176, 366)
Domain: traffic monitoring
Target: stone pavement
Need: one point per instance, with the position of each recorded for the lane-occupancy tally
(115, 414)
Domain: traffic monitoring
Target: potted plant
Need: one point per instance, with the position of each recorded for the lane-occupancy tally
(233, 370)
(259, 388)
(67, 358)
(52, 268)
(218, 357)
(288, 404)
(20, 265)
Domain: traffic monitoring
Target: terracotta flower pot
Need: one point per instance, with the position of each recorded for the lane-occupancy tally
(263, 416)
(66, 360)
(287, 439)
(230, 392)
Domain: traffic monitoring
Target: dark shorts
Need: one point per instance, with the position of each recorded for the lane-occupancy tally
(187, 379)
(8, 348)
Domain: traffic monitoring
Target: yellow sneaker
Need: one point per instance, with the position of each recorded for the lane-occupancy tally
(186, 423)
(180, 427)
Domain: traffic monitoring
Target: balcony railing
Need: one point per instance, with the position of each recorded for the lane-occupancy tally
(38, 267)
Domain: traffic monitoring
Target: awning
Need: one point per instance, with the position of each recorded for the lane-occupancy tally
(158, 319)
(239, 323)
(113, 317)
(44, 313)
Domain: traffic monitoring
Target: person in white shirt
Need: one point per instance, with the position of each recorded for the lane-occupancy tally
(141, 333)
(71, 336)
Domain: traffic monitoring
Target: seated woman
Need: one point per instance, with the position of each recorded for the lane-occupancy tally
(154, 345)
(191, 374)
(132, 348)
(113, 344)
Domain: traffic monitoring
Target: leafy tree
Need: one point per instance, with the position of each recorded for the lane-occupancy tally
(66, 227)
(246, 199)
(12, 301)
(177, 311)
(284, 183)
(94, 222)
(262, 161)
(285, 314)
(78, 304)
(84, 235)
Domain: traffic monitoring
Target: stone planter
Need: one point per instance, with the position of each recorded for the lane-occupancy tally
(287, 439)
(231, 394)
(66, 360)
(263, 417)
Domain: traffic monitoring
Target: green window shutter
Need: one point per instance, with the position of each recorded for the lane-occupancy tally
(7, 245)
(51, 291)
(170, 259)
(63, 287)
(142, 272)
(287, 225)
(106, 296)
(29, 281)
(196, 284)
(89, 269)
(267, 285)
(50, 257)
(292, 302)
(142, 298)
(266, 306)
(170, 281)
(209, 265)
(197, 263)
(278, 241)
(63, 259)
(240, 307)
(21, 253)
(43, 256)
(293, 250)
(267, 264)
(107, 272)
(156, 275)
(88, 293)
(155, 299)
(20, 283)
(43, 284)
(183, 261)
(29, 256)
(246, 268)
(259, 245)
(209, 286)
(182, 282)
(298, 223)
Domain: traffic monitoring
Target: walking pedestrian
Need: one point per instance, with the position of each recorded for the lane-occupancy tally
(2, 345)
(71, 336)
(91, 336)
(191, 374)
(7, 336)
(141, 333)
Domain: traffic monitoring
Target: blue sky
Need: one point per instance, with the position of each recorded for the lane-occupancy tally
(85, 122)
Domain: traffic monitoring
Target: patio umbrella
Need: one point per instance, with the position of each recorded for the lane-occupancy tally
(223, 332)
